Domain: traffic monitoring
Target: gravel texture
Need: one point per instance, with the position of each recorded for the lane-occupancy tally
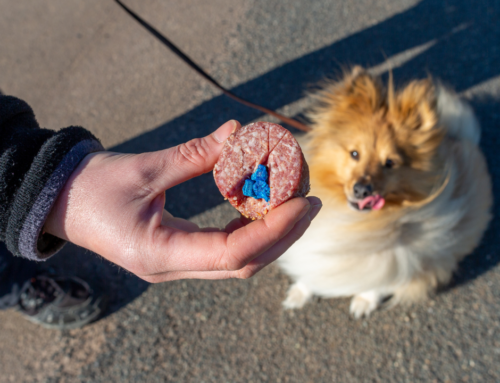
(88, 63)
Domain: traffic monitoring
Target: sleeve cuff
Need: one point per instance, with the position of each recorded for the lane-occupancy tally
(32, 243)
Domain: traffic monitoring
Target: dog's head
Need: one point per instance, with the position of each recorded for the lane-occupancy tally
(372, 146)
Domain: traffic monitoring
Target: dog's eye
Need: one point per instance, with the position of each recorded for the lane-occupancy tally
(355, 155)
(389, 163)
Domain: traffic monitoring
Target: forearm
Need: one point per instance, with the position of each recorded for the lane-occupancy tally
(34, 166)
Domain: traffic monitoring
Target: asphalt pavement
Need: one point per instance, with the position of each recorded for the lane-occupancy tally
(88, 63)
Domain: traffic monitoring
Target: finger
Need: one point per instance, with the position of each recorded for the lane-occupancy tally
(253, 239)
(177, 275)
(192, 158)
(283, 245)
(166, 215)
(246, 272)
(178, 223)
(254, 266)
(219, 251)
(210, 230)
(236, 224)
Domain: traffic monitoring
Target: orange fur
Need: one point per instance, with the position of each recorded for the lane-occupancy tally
(356, 114)
(436, 188)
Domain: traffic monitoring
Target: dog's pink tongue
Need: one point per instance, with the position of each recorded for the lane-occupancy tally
(366, 201)
(376, 202)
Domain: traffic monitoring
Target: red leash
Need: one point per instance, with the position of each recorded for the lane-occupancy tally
(196, 67)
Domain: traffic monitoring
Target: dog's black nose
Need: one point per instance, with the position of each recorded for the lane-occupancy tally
(362, 191)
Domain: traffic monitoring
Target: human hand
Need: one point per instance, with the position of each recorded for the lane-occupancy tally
(113, 205)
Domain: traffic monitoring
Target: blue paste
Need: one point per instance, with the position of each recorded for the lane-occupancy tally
(257, 187)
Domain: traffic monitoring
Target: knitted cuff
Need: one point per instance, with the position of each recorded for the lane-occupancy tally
(50, 170)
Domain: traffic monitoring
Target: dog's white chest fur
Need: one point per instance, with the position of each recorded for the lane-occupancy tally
(403, 254)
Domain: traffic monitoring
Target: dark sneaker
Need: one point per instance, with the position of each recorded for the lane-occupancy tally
(14, 271)
(61, 303)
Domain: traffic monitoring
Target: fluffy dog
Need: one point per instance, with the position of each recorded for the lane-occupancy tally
(406, 193)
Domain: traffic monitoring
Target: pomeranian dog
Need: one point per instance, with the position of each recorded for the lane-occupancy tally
(406, 193)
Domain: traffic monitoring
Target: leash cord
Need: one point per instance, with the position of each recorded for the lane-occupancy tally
(193, 65)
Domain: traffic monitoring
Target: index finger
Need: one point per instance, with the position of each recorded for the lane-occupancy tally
(249, 241)
(181, 251)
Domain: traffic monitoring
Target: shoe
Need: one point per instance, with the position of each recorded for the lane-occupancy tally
(14, 271)
(61, 303)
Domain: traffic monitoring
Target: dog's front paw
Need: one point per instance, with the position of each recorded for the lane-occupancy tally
(297, 296)
(364, 304)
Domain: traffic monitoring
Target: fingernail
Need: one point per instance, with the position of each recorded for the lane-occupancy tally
(221, 134)
(314, 211)
(303, 212)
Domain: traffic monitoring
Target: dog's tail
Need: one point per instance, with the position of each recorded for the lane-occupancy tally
(457, 116)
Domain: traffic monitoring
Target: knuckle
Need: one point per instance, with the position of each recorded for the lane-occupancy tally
(227, 262)
(216, 263)
(142, 173)
(195, 152)
(235, 265)
(246, 273)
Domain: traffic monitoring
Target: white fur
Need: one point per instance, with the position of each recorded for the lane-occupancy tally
(363, 304)
(457, 116)
(409, 251)
(297, 296)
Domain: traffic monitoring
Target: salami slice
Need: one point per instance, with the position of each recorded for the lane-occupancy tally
(268, 144)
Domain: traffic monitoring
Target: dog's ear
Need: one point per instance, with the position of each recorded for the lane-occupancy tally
(413, 114)
(361, 90)
(346, 101)
(357, 71)
(415, 106)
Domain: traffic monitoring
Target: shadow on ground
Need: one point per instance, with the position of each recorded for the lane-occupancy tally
(462, 50)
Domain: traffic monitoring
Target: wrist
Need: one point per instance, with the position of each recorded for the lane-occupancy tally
(55, 224)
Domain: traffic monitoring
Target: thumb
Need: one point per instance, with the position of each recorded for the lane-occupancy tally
(195, 157)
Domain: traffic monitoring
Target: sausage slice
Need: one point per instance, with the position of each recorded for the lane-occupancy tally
(268, 144)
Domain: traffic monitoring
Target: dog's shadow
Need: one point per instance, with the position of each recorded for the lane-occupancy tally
(459, 43)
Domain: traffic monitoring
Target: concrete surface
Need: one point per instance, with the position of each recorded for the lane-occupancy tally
(87, 63)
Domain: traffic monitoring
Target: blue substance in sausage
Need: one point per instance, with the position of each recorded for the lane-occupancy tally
(261, 190)
(260, 174)
(248, 188)
(257, 187)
